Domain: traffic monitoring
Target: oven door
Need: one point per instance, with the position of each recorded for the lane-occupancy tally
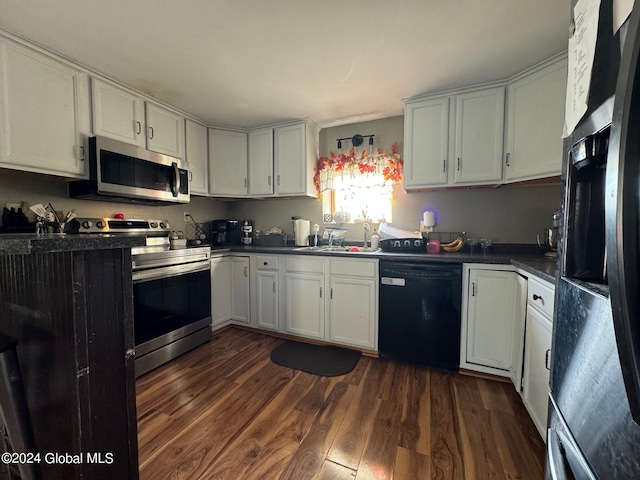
(172, 312)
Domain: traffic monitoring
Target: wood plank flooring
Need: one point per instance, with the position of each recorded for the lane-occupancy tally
(225, 411)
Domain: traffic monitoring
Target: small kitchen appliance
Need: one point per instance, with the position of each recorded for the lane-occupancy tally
(171, 290)
(225, 232)
(246, 232)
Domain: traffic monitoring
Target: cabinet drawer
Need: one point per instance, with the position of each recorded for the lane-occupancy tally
(264, 262)
(305, 264)
(353, 268)
(541, 296)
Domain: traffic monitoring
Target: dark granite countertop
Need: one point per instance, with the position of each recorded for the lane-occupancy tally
(536, 264)
(26, 243)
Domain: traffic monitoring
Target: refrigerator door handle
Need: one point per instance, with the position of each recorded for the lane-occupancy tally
(621, 217)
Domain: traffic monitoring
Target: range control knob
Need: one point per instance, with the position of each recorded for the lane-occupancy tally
(164, 225)
(87, 224)
(100, 224)
(154, 225)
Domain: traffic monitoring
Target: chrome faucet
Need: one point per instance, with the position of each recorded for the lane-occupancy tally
(367, 227)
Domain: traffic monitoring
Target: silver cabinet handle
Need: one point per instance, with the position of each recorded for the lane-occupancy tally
(245, 271)
(320, 292)
(473, 289)
(458, 167)
(269, 180)
(331, 293)
(138, 127)
(274, 287)
(245, 182)
(150, 133)
(508, 158)
(444, 165)
(82, 153)
(278, 179)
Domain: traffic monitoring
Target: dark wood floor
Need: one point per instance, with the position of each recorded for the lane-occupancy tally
(225, 411)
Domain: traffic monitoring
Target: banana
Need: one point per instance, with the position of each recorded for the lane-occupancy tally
(454, 246)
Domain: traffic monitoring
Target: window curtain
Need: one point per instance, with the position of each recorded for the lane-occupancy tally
(357, 169)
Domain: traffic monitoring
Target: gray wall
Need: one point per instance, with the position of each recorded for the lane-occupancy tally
(32, 188)
(508, 214)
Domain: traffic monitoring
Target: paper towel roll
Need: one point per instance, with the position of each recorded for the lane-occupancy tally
(429, 218)
(302, 233)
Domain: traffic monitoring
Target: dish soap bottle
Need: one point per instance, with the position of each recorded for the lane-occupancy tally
(375, 240)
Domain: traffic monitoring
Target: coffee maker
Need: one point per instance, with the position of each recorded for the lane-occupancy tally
(225, 232)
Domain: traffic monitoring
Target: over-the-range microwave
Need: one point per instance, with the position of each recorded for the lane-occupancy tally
(126, 173)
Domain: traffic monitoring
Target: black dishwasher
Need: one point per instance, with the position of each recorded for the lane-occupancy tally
(420, 313)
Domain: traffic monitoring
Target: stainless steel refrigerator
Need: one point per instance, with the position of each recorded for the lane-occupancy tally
(594, 409)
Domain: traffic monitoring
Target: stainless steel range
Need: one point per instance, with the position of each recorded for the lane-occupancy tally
(171, 290)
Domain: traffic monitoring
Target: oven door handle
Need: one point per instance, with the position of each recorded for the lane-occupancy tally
(171, 271)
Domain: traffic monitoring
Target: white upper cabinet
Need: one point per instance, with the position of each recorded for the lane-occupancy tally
(165, 130)
(535, 117)
(295, 155)
(228, 163)
(44, 113)
(261, 162)
(426, 150)
(117, 113)
(122, 115)
(197, 154)
(479, 136)
(454, 140)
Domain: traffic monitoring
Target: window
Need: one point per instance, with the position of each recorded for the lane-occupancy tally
(364, 198)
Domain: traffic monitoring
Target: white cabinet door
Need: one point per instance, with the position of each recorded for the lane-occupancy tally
(165, 130)
(535, 382)
(240, 289)
(44, 113)
(295, 154)
(535, 117)
(267, 299)
(261, 162)
(479, 136)
(197, 154)
(227, 163)
(220, 290)
(489, 322)
(117, 113)
(352, 311)
(517, 338)
(426, 143)
(305, 302)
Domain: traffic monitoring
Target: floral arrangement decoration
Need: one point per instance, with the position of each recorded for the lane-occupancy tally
(364, 162)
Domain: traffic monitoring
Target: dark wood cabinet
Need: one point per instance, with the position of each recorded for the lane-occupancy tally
(72, 313)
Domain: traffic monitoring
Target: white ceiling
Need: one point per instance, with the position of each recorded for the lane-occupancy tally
(245, 63)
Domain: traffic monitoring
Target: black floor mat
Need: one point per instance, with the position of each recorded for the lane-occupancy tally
(327, 361)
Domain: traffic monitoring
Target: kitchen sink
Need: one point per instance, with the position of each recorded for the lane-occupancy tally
(337, 249)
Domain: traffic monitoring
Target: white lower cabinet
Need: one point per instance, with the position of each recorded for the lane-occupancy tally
(240, 289)
(305, 305)
(490, 316)
(353, 304)
(220, 290)
(537, 352)
(321, 298)
(229, 290)
(265, 290)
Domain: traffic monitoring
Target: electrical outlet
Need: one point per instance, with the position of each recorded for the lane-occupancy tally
(186, 216)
